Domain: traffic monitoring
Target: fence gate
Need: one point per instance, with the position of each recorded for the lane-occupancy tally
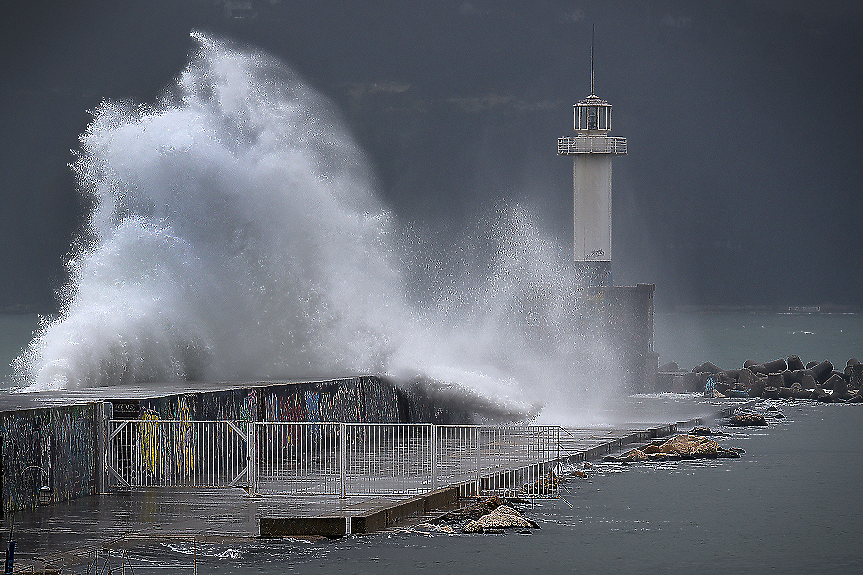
(173, 453)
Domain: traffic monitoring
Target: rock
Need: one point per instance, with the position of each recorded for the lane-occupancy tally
(771, 393)
(700, 431)
(706, 367)
(785, 393)
(745, 378)
(504, 517)
(759, 369)
(580, 474)
(746, 419)
(795, 363)
(776, 366)
(690, 447)
(822, 371)
(474, 511)
(797, 392)
(728, 453)
(757, 387)
(855, 376)
(634, 455)
(669, 367)
(808, 381)
(821, 395)
(811, 364)
(840, 388)
(775, 380)
(835, 381)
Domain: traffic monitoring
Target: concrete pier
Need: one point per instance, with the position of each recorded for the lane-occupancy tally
(79, 528)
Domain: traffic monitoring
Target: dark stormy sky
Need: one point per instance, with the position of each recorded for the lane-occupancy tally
(743, 182)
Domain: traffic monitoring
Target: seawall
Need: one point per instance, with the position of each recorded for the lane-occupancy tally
(51, 443)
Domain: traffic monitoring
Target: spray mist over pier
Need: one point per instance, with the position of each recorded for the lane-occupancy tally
(236, 235)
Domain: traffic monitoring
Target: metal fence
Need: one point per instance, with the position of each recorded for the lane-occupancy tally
(339, 459)
(172, 453)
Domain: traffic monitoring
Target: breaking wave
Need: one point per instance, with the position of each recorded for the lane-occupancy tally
(236, 235)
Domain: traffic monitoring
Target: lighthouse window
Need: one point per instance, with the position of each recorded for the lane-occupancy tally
(591, 118)
(603, 118)
(582, 118)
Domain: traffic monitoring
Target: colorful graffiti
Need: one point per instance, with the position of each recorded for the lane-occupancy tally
(49, 455)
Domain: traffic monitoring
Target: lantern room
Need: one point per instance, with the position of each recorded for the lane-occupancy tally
(592, 115)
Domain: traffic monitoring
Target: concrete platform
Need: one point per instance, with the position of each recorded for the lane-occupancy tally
(145, 516)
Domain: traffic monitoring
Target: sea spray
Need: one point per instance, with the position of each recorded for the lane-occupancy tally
(236, 235)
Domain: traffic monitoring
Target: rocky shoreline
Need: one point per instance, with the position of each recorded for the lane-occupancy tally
(783, 378)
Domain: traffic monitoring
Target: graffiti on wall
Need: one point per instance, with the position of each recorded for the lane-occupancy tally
(48, 454)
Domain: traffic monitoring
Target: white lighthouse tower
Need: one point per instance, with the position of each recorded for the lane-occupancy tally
(592, 149)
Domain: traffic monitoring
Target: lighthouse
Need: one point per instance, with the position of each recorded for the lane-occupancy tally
(623, 315)
(592, 149)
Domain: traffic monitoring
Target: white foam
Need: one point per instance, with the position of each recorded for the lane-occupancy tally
(236, 235)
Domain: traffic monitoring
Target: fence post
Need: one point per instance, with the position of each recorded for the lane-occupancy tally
(252, 457)
(343, 457)
(478, 435)
(434, 457)
(104, 412)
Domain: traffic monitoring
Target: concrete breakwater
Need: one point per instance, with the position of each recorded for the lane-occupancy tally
(52, 444)
(783, 378)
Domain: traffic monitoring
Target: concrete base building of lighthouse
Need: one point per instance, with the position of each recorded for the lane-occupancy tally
(623, 313)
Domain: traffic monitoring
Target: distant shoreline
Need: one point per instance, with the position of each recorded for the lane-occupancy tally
(791, 309)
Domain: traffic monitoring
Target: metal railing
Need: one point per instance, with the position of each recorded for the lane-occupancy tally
(174, 453)
(590, 145)
(339, 459)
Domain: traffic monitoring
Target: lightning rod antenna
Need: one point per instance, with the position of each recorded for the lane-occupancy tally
(592, 38)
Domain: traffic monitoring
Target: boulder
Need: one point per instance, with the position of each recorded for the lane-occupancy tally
(759, 369)
(775, 380)
(776, 366)
(795, 363)
(690, 447)
(820, 394)
(757, 387)
(669, 367)
(504, 517)
(745, 378)
(797, 392)
(746, 419)
(839, 387)
(822, 371)
(808, 381)
(707, 367)
(634, 456)
(855, 376)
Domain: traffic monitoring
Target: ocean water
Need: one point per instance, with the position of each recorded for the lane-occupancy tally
(729, 339)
